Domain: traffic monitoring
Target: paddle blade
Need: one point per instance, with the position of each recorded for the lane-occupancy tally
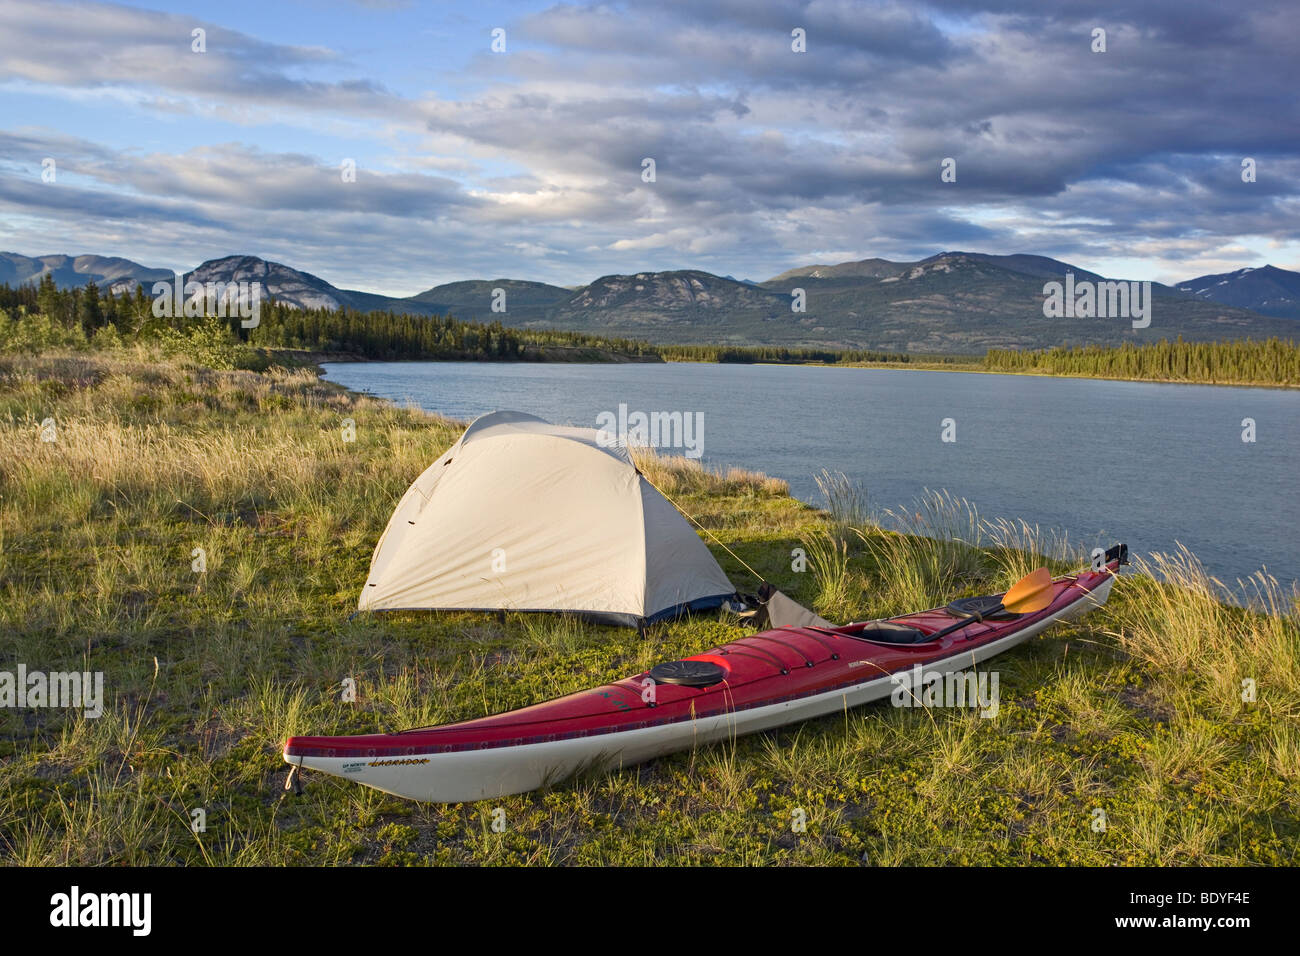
(1031, 593)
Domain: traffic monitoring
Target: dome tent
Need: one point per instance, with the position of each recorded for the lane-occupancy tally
(523, 515)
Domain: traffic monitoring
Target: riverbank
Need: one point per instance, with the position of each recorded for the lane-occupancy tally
(308, 358)
(976, 368)
(200, 536)
(315, 359)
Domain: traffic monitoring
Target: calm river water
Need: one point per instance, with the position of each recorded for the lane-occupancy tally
(1150, 464)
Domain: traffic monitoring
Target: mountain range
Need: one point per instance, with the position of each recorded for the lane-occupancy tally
(956, 302)
(1267, 290)
(69, 271)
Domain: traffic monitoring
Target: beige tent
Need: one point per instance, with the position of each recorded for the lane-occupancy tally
(524, 515)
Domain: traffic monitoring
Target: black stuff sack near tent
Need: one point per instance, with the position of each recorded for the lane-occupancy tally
(772, 609)
(523, 515)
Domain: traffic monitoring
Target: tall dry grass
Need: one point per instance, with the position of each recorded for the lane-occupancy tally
(925, 555)
(1181, 623)
(678, 475)
(846, 500)
(838, 587)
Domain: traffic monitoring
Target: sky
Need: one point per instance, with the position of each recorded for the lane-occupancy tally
(529, 162)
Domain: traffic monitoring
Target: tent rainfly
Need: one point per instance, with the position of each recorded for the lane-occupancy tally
(523, 515)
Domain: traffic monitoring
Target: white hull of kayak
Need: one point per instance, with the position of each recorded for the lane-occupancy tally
(468, 775)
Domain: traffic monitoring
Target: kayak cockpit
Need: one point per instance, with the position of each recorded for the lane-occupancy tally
(885, 632)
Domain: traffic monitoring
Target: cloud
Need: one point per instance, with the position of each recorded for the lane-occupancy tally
(532, 161)
(87, 46)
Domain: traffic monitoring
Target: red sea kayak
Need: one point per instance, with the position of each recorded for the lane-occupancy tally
(758, 682)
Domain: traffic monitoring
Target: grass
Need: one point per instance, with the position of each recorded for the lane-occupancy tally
(847, 503)
(1136, 710)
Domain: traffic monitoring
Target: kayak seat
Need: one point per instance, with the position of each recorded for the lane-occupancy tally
(885, 633)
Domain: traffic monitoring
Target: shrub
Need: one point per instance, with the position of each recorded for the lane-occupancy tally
(209, 343)
(34, 332)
